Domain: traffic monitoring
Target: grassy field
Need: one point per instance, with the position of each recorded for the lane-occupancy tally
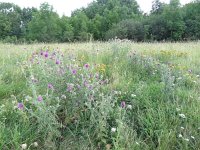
(95, 96)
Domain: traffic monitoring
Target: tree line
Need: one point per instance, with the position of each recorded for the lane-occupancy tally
(101, 20)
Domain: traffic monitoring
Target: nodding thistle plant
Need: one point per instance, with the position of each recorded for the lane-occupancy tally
(68, 93)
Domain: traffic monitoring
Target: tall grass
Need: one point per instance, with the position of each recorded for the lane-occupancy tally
(114, 95)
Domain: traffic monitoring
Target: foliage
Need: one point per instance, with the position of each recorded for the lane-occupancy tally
(101, 20)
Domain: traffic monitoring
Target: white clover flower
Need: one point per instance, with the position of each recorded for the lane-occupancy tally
(133, 95)
(195, 81)
(186, 139)
(180, 136)
(179, 78)
(137, 143)
(129, 106)
(113, 130)
(197, 76)
(178, 109)
(182, 116)
(35, 144)
(63, 97)
(192, 137)
(182, 128)
(24, 146)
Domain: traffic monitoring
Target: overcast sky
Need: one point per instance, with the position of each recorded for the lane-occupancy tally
(66, 6)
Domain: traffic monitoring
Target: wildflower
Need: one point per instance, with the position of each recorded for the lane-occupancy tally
(50, 86)
(129, 106)
(123, 104)
(192, 137)
(137, 143)
(178, 109)
(182, 128)
(57, 62)
(186, 139)
(182, 116)
(86, 65)
(35, 144)
(20, 106)
(74, 71)
(190, 71)
(179, 78)
(70, 87)
(113, 130)
(133, 95)
(39, 98)
(41, 53)
(115, 92)
(180, 136)
(24, 146)
(63, 97)
(46, 54)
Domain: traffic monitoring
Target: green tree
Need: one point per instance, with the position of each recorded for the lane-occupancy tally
(44, 25)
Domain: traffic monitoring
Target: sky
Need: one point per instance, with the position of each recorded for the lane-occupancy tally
(64, 7)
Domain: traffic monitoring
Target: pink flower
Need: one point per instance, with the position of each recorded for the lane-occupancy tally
(123, 104)
(57, 62)
(20, 106)
(86, 66)
(39, 98)
(50, 86)
(74, 71)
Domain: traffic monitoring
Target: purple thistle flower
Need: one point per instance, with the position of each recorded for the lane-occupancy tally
(41, 53)
(74, 71)
(123, 104)
(57, 62)
(70, 87)
(50, 86)
(86, 66)
(46, 54)
(20, 106)
(39, 98)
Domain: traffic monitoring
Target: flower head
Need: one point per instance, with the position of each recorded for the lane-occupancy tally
(182, 116)
(74, 71)
(46, 54)
(39, 98)
(35, 144)
(86, 66)
(113, 129)
(57, 62)
(24, 146)
(20, 106)
(123, 104)
(50, 86)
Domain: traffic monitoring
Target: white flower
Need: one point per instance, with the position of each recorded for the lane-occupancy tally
(133, 95)
(129, 106)
(179, 78)
(182, 116)
(197, 76)
(113, 130)
(186, 139)
(63, 97)
(24, 146)
(182, 128)
(35, 144)
(178, 109)
(137, 143)
(180, 136)
(192, 137)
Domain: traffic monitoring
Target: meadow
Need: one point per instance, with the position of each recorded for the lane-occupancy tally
(117, 95)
